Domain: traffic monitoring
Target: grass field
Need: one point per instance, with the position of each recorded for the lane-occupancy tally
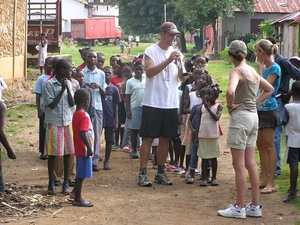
(109, 50)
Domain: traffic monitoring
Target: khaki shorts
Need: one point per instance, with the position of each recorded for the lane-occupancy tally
(242, 131)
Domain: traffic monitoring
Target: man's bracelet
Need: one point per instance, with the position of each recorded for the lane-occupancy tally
(229, 107)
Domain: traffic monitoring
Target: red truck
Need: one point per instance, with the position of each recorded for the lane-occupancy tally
(95, 30)
(44, 16)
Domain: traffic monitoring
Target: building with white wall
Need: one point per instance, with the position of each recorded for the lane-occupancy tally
(80, 9)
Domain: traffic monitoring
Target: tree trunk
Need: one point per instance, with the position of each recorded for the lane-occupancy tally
(215, 42)
(183, 42)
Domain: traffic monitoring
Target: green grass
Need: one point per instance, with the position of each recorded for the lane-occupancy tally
(107, 50)
(110, 50)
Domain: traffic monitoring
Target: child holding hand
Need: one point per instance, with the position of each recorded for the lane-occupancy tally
(83, 141)
(210, 132)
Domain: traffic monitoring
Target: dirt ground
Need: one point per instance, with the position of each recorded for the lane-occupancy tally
(118, 199)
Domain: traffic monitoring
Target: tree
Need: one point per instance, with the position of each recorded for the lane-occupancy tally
(141, 16)
(206, 12)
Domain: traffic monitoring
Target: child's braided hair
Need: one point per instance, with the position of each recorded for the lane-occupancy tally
(216, 88)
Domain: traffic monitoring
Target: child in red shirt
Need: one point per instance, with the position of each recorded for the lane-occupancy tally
(83, 135)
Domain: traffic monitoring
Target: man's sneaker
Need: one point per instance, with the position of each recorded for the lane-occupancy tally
(254, 211)
(233, 211)
(51, 189)
(162, 178)
(144, 181)
(65, 189)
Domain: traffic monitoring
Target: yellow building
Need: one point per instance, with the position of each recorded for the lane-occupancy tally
(13, 23)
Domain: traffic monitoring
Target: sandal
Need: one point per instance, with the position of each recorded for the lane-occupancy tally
(268, 190)
(171, 168)
(289, 198)
(203, 183)
(214, 183)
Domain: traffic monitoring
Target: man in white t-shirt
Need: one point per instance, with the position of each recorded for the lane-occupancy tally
(137, 40)
(163, 67)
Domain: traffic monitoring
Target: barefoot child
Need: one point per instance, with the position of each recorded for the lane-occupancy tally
(58, 101)
(210, 132)
(291, 120)
(83, 142)
(4, 142)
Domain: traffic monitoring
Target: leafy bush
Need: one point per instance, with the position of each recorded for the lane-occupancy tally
(243, 37)
(266, 28)
(224, 56)
(66, 42)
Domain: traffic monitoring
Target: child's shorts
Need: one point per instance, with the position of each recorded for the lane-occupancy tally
(59, 140)
(121, 113)
(109, 134)
(293, 156)
(84, 167)
(136, 121)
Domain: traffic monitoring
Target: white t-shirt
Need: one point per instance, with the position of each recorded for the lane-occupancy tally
(161, 91)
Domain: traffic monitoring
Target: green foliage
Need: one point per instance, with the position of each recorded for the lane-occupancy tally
(244, 37)
(266, 28)
(66, 42)
(224, 56)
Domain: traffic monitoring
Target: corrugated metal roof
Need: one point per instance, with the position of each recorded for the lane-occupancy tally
(276, 6)
(291, 17)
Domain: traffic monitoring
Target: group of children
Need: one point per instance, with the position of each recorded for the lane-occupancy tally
(74, 105)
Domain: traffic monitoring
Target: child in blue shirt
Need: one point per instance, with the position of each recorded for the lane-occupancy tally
(110, 114)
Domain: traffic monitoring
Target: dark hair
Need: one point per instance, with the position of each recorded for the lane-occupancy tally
(208, 78)
(78, 70)
(107, 67)
(62, 64)
(90, 51)
(216, 88)
(188, 65)
(100, 54)
(80, 96)
(196, 56)
(137, 63)
(190, 62)
(85, 49)
(296, 88)
(273, 41)
(42, 34)
(126, 64)
(239, 57)
(113, 57)
(48, 59)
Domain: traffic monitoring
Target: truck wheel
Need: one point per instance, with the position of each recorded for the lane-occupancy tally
(117, 41)
(96, 42)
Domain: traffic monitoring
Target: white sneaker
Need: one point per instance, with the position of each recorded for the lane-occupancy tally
(233, 211)
(254, 211)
